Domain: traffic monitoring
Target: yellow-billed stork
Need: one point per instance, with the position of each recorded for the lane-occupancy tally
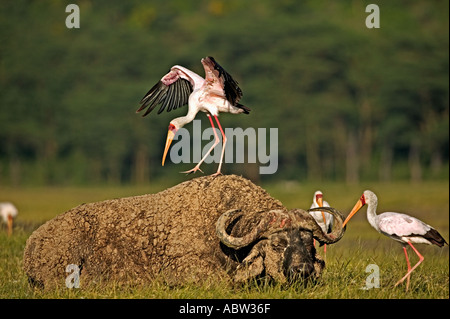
(400, 227)
(8, 212)
(323, 219)
(217, 92)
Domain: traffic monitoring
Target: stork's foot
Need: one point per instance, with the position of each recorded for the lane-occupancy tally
(402, 280)
(196, 168)
(216, 174)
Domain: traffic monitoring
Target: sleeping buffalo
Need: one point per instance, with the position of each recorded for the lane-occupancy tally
(206, 228)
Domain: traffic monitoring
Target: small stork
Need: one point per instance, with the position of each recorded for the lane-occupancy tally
(217, 92)
(8, 212)
(400, 227)
(324, 220)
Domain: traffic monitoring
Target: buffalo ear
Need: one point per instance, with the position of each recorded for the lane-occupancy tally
(252, 265)
(249, 270)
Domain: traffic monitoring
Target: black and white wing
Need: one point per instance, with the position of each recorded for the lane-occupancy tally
(222, 80)
(171, 92)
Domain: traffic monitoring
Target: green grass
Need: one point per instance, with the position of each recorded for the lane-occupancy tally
(343, 278)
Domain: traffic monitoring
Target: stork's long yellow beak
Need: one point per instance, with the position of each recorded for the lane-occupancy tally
(10, 225)
(360, 203)
(170, 136)
(320, 203)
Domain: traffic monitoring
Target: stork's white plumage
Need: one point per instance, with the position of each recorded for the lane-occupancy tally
(8, 212)
(218, 92)
(324, 219)
(400, 227)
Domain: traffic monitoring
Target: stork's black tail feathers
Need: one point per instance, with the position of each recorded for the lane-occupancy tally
(435, 238)
(243, 107)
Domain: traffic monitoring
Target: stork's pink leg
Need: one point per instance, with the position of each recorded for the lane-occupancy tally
(216, 141)
(409, 266)
(224, 142)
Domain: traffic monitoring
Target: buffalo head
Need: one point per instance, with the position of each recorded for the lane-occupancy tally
(277, 243)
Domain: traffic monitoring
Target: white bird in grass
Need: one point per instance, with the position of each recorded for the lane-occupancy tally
(324, 220)
(400, 227)
(8, 212)
(217, 92)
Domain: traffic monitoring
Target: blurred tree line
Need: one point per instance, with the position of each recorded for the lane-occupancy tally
(350, 103)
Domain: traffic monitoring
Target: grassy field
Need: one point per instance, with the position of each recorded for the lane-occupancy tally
(345, 274)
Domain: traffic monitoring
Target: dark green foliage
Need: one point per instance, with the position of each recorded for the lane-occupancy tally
(350, 103)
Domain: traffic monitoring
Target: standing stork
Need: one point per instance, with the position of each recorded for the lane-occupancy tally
(8, 212)
(217, 92)
(324, 220)
(400, 227)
